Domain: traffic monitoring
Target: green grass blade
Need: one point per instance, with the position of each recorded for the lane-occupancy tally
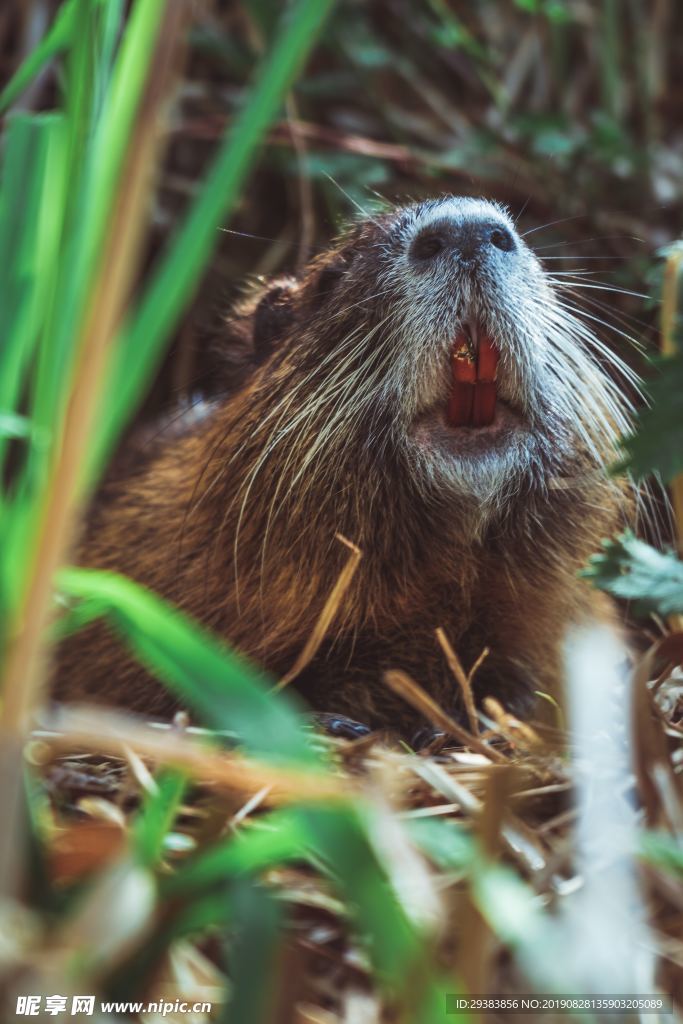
(156, 817)
(33, 144)
(340, 840)
(98, 140)
(400, 951)
(277, 839)
(102, 100)
(222, 687)
(256, 918)
(664, 851)
(55, 41)
(448, 845)
(145, 335)
(334, 839)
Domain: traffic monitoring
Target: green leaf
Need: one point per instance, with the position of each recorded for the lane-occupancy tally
(630, 568)
(222, 687)
(505, 901)
(656, 446)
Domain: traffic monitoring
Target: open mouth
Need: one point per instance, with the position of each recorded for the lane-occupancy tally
(474, 362)
(477, 416)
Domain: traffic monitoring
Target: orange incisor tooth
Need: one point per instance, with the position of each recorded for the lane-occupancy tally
(484, 401)
(461, 400)
(460, 404)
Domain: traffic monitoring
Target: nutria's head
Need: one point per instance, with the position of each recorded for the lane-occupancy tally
(426, 355)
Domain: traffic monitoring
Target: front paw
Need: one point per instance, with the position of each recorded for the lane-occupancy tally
(340, 726)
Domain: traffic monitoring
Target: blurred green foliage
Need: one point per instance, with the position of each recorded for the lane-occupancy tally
(635, 571)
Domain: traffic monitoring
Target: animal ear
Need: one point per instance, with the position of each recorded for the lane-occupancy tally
(273, 316)
(330, 276)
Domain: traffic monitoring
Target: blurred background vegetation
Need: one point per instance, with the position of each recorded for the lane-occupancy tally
(164, 867)
(568, 111)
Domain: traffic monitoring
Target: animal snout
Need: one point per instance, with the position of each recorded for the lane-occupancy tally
(467, 239)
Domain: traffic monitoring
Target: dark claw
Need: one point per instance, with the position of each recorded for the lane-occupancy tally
(340, 726)
(425, 736)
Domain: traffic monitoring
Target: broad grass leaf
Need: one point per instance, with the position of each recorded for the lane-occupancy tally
(225, 690)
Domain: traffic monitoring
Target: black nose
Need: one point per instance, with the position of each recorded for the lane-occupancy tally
(466, 238)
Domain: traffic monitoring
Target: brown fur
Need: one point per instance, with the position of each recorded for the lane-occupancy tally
(256, 565)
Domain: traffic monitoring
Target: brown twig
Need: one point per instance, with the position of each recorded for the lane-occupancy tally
(462, 678)
(402, 684)
(511, 728)
(327, 614)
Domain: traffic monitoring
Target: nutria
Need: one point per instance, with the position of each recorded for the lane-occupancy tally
(421, 390)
